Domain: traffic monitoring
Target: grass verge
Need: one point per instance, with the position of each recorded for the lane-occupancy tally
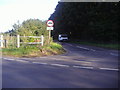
(34, 50)
(103, 45)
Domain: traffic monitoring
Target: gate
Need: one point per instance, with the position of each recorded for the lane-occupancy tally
(17, 41)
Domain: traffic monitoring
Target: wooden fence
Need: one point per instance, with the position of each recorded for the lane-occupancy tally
(17, 41)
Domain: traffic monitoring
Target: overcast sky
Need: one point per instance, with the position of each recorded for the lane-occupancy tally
(13, 10)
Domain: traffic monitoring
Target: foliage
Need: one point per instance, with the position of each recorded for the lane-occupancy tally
(95, 21)
(30, 27)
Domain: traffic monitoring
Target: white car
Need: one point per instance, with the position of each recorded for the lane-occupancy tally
(63, 37)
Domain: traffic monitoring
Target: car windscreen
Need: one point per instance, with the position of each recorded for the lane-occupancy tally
(63, 36)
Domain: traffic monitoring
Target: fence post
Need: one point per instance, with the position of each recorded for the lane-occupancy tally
(5, 43)
(1, 42)
(18, 41)
(42, 40)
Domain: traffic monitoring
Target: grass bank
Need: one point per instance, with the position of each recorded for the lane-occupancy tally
(34, 50)
(103, 45)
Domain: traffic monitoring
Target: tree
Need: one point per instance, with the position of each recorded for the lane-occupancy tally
(96, 21)
(34, 27)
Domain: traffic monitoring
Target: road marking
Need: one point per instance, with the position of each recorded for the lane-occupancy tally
(82, 61)
(83, 48)
(109, 69)
(113, 54)
(21, 61)
(86, 48)
(58, 59)
(83, 67)
(9, 59)
(39, 63)
(85, 64)
(61, 65)
(43, 57)
(27, 58)
(4, 58)
(92, 50)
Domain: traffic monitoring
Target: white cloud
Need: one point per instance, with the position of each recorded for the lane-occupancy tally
(24, 9)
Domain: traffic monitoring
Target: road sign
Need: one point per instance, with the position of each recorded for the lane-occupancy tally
(50, 23)
(50, 28)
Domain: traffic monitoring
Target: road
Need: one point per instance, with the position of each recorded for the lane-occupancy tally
(80, 67)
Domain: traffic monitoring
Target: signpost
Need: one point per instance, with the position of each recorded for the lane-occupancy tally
(50, 27)
(50, 23)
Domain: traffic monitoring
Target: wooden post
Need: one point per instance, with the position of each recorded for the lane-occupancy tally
(5, 43)
(42, 40)
(18, 41)
(1, 42)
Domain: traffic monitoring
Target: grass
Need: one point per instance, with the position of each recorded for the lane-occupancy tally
(34, 50)
(103, 45)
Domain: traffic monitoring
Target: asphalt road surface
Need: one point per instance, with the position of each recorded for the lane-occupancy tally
(80, 67)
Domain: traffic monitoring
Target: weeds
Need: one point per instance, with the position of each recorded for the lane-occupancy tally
(34, 50)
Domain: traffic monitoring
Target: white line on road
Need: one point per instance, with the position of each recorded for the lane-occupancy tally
(9, 59)
(27, 58)
(58, 59)
(61, 65)
(109, 69)
(83, 48)
(86, 48)
(82, 61)
(4, 58)
(21, 61)
(83, 67)
(92, 50)
(39, 63)
(113, 54)
(43, 57)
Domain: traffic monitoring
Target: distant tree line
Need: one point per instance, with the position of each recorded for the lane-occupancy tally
(30, 27)
(88, 21)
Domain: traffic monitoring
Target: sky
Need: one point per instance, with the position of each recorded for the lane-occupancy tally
(13, 10)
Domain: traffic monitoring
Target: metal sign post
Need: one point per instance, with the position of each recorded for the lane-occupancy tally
(50, 24)
(49, 36)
